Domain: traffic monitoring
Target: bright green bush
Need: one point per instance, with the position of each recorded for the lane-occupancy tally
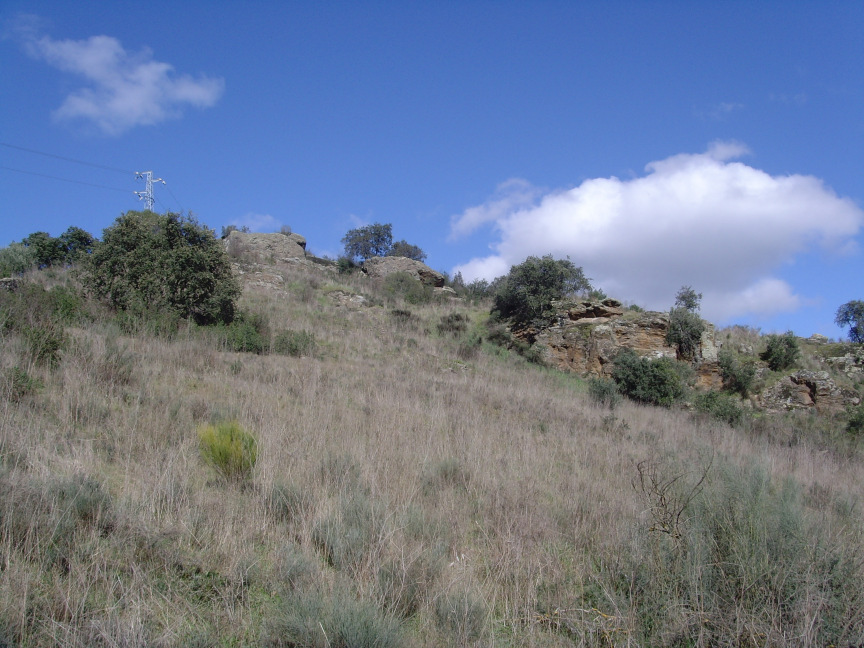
(229, 448)
(655, 382)
(781, 352)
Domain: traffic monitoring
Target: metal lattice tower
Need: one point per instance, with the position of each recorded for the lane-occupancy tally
(147, 194)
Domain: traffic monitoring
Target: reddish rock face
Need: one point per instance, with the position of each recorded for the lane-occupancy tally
(590, 334)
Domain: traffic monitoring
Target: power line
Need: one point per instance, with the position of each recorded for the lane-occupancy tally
(67, 159)
(44, 175)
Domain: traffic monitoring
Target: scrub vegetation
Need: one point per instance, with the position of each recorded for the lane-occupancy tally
(311, 473)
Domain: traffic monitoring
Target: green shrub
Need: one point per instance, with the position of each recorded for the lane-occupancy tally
(737, 374)
(287, 502)
(347, 536)
(45, 342)
(723, 407)
(18, 384)
(604, 391)
(404, 584)
(294, 343)
(229, 448)
(402, 285)
(454, 324)
(312, 618)
(447, 473)
(655, 382)
(462, 615)
(781, 352)
(855, 424)
(246, 334)
(746, 563)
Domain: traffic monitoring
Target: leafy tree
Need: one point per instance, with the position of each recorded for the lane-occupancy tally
(148, 261)
(75, 243)
(370, 241)
(405, 249)
(47, 250)
(782, 351)
(685, 325)
(526, 294)
(688, 298)
(16, 259)
(851, 314)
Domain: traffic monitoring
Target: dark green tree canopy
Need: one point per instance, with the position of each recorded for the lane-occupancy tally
(64, 249)
(376, 240)
(525, 294)
(851, 314)
(404, 249)
(147, 260)
(370, 241)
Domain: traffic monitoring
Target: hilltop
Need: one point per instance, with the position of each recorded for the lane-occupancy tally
(402, 474)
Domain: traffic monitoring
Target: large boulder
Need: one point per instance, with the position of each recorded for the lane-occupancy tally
(266, 248)
(380, 267)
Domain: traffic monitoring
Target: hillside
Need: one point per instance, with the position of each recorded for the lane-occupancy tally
(412, 484)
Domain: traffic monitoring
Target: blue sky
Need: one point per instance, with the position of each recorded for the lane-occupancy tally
(658, 144)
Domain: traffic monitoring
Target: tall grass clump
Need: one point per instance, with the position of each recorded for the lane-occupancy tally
(229, 448)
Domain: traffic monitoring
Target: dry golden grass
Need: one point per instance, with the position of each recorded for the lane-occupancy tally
(477, 502)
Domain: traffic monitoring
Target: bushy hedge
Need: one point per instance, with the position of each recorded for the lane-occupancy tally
(654, 382)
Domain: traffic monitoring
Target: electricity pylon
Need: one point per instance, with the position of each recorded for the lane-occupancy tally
(147, 194)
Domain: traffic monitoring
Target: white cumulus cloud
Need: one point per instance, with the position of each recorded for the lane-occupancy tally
(703, 220)
(121, 89)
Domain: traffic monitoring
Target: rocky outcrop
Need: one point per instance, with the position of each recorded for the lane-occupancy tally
(804, 390)
(380, 267)
(266, 248)
(850, 363)
(589, 334)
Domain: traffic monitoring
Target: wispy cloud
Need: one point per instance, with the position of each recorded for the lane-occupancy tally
(700, 219)
(121, 90)
(257, 222)
(722, 110)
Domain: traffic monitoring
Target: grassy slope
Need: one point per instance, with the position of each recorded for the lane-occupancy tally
(407, 489)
